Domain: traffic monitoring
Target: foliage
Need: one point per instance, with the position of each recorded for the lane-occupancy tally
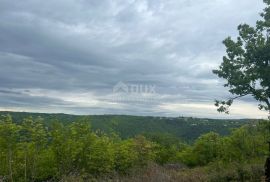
(246, 67)
(243, 145)
(186, 128)
(31, 152)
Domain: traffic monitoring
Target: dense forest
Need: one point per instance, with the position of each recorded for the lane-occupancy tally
(33, 150)
(186, 128)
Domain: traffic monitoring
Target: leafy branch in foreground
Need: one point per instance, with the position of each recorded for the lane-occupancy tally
(246, 67)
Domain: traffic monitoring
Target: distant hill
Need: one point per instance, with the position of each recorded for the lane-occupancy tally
(186, 128)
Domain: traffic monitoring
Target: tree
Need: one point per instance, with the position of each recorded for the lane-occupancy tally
(9, 133)
(206, 148)
(125, 156)
(145, 150)
(246, 67)
(34, 140)
(100, 157)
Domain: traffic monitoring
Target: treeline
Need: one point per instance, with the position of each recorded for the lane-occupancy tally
(186, 128)
(31, 151)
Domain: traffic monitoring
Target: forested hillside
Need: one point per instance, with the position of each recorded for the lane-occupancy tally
(73, 151)
(185, 128)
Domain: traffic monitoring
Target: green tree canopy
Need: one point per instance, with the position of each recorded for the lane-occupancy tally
(246, 67)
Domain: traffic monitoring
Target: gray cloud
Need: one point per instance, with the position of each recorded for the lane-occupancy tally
(85, 47)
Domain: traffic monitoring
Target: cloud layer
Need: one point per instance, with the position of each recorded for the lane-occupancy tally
(67, 55)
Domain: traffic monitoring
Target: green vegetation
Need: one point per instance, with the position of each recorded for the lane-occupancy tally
(59, 147)
(32, 151)
(124, 126)
(246, 67)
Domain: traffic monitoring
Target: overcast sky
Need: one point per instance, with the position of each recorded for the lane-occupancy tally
(68, 55)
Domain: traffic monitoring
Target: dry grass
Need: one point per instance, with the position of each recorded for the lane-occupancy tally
(155, 173)
(152, 173)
